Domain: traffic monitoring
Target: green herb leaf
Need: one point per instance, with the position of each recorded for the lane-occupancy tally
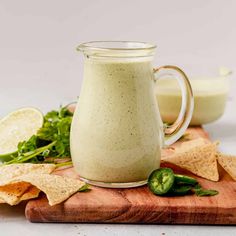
(52, 140)
(27, 146)
(57, 128)
(185, 137)
(62, 164)
(84, 188)
(199, 191)
(205, 192)
(31, 155)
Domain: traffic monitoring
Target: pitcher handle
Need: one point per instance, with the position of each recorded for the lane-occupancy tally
(176, 130)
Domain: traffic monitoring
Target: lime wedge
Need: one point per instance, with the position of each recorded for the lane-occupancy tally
(18, 126)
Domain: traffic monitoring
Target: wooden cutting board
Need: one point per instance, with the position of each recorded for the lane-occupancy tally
(139, 205)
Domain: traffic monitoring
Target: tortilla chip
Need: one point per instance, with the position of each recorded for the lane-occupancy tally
(20, 182)
(11, 193)
(8, 172)
(32, 192)
(2, 201)
(200, 160)
(192, 144)
(184, 146)
(56, 188)
(228, 162)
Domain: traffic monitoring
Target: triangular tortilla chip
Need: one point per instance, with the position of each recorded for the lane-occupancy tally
(32, 192)
(228, 162)
(8, 172)
(184, 146)
(200, 160)
(56, 188)
(11, 193)
(192, 144)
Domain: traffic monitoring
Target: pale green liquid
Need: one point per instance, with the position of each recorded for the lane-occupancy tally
(209, 100)
(116, 131)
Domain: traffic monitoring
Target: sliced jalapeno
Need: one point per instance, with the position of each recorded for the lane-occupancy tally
(180, 189)
(161, 180)
(183, 179)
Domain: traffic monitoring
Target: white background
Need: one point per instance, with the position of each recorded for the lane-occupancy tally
(40, 67)
(38, 59)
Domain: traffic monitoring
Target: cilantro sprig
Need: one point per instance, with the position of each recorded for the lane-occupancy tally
(52, 140)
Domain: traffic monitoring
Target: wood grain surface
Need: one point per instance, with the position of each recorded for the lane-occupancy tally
(139, 205)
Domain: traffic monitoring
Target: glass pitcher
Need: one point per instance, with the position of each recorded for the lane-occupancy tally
(117, 133)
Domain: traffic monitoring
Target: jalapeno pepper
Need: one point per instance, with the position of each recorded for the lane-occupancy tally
(180, 190)
(183, 179)
(161, 180)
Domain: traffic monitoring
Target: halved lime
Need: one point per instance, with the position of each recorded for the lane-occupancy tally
(18, 126)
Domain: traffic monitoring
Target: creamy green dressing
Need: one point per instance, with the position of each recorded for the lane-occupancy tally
(209, 99)
(116, 131)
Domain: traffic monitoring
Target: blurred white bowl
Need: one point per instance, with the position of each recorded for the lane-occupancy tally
(210, 95)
